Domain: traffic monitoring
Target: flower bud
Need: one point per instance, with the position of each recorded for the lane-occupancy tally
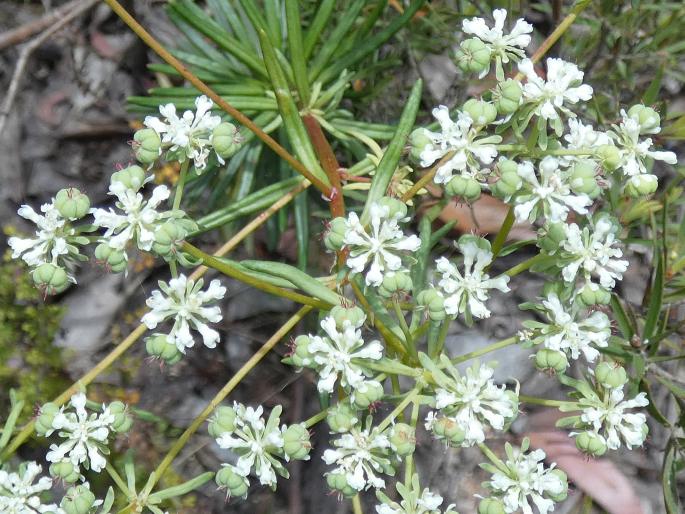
(352, 314)
(122, 421)
(132, 177)
(507, 96)
(223, 421)
(582, 179)
(296, 442)
(341, 418)
(403, 439)
(235, 484)
(50, 278)
(338, 482)
(72, 203)
(159, 347)
(396, 208)
(78, 500)
(473, 56)
(395, 282)
(594, 294)
(591, 443)
(366, 394)
(648, 118)
(467, 188)
(45, 418)
(335, 235)
(111, 258)
(147, 146)
(226, 140)
(65, 471)
(551, 360)
(490, 506)
(418, 140)
(509, 180)
(480, 111)
(610, 375)
(431, 300)
(448, 429)
(561, 495)
(641, 185)
(609, 156)
(300, 356)
(167, 237)
(551, 237)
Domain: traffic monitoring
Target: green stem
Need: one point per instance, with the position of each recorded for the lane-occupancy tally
(400, 407)
(493, 458)
(435, 350)
(409, 460)
(523, 266)
(118, 480)
(543, 401)
(405, 329)
(180, 184)
(316, 419)
(357, 505)
(485, 350)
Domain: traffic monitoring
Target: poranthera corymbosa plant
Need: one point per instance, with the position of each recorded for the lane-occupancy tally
(385, 312)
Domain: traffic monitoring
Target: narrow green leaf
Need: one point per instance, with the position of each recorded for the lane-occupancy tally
(181, 489)
(320, 20)
(292, 17)
(669, 481)
(652, 93)
(274, 20)
(656, 296)
(388, 165)
(622, 319)
(297, 134)
(301, 210)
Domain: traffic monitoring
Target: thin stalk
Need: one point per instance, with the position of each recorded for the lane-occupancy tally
(400, 407)
(426, 178)
(405, 329)
(316, 419)
(525, 265)
(224, 392)
(118, 480)
(493, 458)
(180, 184)
(150, 41)
(436, 349)
(485, 350)
(543, 401)
(357, 505)
(409, 460)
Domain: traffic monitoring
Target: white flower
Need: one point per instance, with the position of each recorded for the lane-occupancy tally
(183, 301)
(414, 501)
(593, 251)
(526, 480)
(563, 86)
(503, 46)
(335, 355)
(51, 244)
(582, 137)
(472, 402)
(257, 442)
(189, 135)
(571, 335)
(140, 218)
(382, 247)
(633, 151)
(459, 137)
(20, 495)
(467, 293)
(86, 435)
(549, 195)
(361, 455)
(609, 419)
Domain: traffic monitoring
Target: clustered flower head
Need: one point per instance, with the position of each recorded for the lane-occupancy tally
(20, 493)
(183, 301)
(414, 501)
(260, 445)
(467, 405)
(523, 481)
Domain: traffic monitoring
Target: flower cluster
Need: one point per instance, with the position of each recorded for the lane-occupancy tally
(20, 493)
(466, 405)
(260, 446)
(523, 479)
(414, 501)
(86, 435)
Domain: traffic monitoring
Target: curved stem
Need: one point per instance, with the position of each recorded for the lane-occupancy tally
(485, 350)
(223, 104)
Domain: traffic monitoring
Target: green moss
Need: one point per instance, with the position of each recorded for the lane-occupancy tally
(29, 362)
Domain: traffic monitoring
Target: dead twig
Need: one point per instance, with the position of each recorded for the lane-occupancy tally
(78, 8)
(19, 34)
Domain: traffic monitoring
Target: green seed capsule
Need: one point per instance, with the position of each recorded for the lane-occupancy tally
(583, 179)
(480, 111)
(551, 360)
(490, 506)
(648, 118)
(111, 258)
(223, 421)
(122, 421)
(593, 294)
(226, 140)
(235, 484)
(403, 439)
(433, 302)
(338, 482)
(335, 236)
(354, 315)
(132, 177)
(45, 418)
(473, 56)
(367, 394)
(396, 208)
(507, 96)
(563, 494)
(467, 188)
(147, 145)
(609, 156)
(78, 500)
(641, 185)
(72, 203)
(296, 443)
(551, 237)
(418, 140)
(50, 278)
(342, 418)
(65, 471)
(591, 443)
(610, 375)
(395, 283)
(158, 346)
